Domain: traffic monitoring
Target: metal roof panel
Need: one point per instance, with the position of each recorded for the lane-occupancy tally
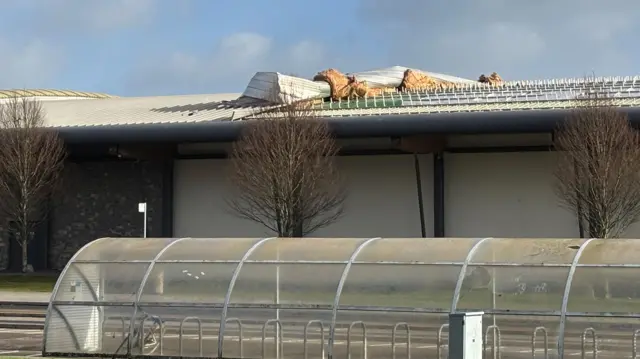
(148, 110)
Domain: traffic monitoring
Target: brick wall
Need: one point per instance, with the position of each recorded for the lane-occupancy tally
(100, 199)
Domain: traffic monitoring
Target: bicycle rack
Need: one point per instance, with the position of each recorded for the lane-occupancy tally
(240, 333)
(634, 354)
(306, 337)
(181, 334)
(394, 336)
(277, 341)
(161, 335)
(545, 340)
(124, 327)
(594, 343)
(497, 343)
(439, 340)
(364, 339)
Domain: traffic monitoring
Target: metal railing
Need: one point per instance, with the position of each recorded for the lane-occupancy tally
(545, 341)
(492, 339)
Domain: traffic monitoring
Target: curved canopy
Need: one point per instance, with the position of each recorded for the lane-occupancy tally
(333, 280)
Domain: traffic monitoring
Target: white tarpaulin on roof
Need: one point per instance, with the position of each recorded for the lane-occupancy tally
(276, 87)
(381, 78)
(392, 77)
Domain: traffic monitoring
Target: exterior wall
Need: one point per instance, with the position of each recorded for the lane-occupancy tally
(200, 189)
(486, 194)
(382, 199)
(506, 195)
(503, 195)
(100, 199)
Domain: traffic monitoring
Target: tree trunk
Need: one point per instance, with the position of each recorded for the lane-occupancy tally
(25, 258)
(297, 228)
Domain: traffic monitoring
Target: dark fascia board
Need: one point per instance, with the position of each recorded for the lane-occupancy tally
(532, 121)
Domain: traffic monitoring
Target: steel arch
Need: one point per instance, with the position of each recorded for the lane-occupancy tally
(463, 271)
(56, 288)
(232, 283)
(565, 296)
(336, 299)
(143, 282)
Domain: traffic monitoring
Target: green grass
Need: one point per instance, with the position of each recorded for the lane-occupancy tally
(27, 282)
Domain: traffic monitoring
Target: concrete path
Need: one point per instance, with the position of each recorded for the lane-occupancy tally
(7, 296)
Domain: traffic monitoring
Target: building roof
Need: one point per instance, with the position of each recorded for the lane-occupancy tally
(185, 109)
(52, 93)
(509, 96)
(149, 110)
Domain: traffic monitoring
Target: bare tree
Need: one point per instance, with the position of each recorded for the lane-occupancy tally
(598, 172)
(284, 172)
(31, 161)
(598, 175)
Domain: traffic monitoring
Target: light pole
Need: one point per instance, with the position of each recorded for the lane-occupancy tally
(142, 208)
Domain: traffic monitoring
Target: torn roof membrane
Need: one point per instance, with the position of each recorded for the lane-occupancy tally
(279, 88)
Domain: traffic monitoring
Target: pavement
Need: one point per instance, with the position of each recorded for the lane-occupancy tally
(22, 343)
(7, 296)
(424, 343)
(614, 335)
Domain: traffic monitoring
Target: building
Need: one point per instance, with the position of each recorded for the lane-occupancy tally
(479, 155)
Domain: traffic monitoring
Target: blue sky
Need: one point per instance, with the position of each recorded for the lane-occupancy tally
(162, 47)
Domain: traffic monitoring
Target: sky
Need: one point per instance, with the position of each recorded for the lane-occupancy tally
(169, 47)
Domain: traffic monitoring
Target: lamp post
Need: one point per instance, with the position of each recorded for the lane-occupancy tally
(142, 208)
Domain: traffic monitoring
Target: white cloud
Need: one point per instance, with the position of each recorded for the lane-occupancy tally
(28, 65)
(238, 51)
(116, 14)
(34, 55)
(306, 55)
(516, 38)
(228, 67)
(494, 48)
(601, 26)
(73, 16)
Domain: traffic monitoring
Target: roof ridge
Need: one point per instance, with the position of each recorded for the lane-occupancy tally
(38, 92)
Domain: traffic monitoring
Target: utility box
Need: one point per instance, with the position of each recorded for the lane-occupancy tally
(465, 335)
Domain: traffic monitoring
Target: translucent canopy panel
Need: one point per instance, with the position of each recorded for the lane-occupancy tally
(607, 275)
(527, 274)
(195, 270)
(305, 271)
(406, 272)
(322, 291)
(117, 249)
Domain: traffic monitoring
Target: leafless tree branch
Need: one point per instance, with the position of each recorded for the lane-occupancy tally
(31, 162)
(284, 172)
(598, 172)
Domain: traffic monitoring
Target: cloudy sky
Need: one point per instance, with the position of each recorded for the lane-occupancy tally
(158, 47)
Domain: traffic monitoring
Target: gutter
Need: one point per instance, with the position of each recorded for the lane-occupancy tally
(530, 121)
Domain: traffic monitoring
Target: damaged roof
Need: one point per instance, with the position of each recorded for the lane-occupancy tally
(386, 92)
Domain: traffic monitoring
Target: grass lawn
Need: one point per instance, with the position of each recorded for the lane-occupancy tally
(27, 282)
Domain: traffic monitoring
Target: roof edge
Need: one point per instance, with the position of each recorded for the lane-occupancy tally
(348, 127)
